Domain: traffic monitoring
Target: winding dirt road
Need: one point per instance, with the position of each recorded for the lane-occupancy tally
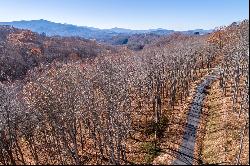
(186, 151)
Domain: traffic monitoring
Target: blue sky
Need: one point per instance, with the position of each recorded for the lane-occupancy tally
(133, 14)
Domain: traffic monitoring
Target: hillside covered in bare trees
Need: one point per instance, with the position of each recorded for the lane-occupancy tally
(69, 100)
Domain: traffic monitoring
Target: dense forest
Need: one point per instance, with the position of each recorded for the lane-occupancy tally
(69, 100)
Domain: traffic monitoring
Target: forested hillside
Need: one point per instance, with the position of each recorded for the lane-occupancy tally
(22, 50)
(67, 100)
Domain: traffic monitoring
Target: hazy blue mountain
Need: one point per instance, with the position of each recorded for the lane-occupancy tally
(161, 31)
(122, 30)
(200, 31)
(53, 29)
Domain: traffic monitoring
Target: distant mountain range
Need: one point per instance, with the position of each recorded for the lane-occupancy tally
(54, 29)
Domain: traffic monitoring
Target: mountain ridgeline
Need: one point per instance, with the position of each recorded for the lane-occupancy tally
(101, 35)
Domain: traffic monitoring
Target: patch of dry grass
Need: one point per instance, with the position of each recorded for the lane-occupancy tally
(219, 144)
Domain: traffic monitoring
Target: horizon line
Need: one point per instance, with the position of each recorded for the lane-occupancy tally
(126, 28)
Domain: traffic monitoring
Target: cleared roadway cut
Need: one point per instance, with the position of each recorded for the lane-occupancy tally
(186, 151)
